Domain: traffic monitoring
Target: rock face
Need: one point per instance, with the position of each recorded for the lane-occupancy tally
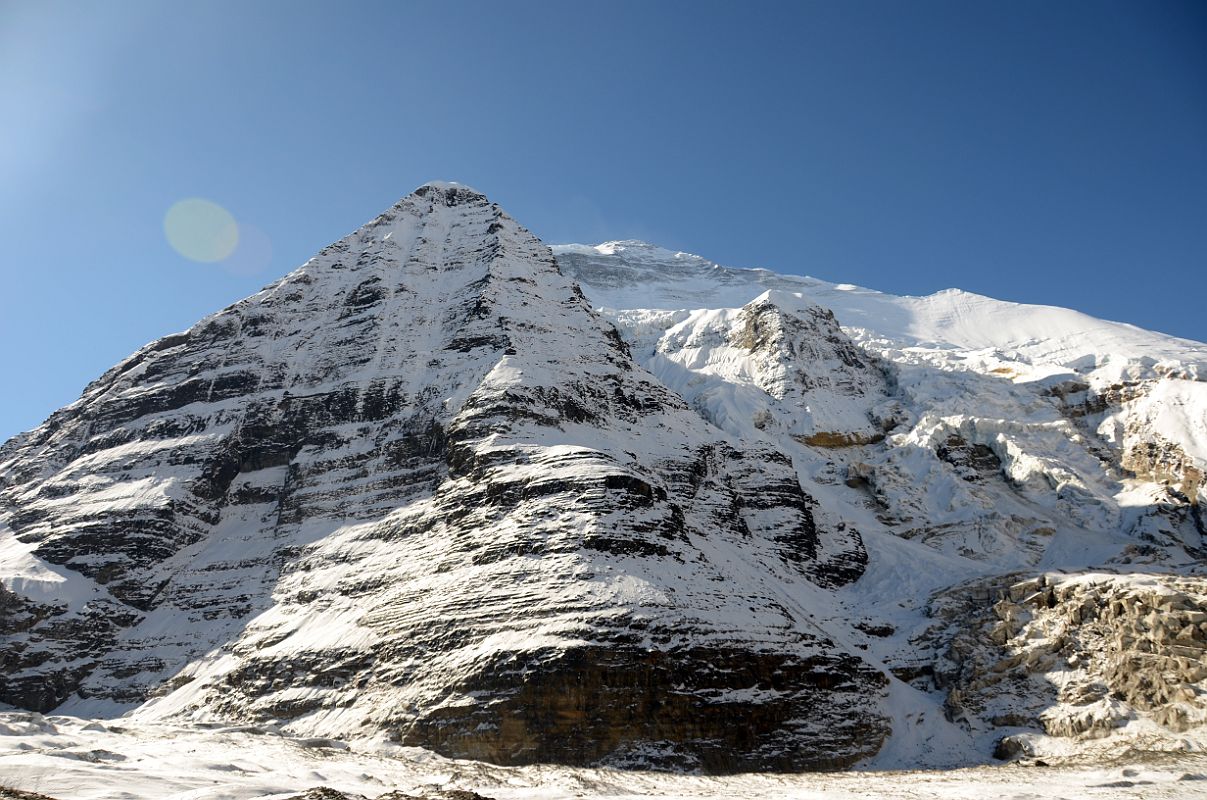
(325, 793)
(419, 486)
(630, 706)
(1074, 657)
(612, 505)
(16, 794)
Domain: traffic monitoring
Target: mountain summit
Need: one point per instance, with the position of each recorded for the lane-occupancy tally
(615, 505)
(419, 486)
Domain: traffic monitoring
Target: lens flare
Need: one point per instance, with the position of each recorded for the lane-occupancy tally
(201, 230)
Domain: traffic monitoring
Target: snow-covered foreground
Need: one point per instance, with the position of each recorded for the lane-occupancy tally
(76, 759)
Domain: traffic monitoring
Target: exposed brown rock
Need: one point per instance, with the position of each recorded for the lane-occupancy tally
(1122, 648)
(7, 793)
(327, 793)
(715, 710)
(836, 439)
(1162, 461)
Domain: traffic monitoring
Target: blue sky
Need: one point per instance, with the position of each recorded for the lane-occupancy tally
(1033, 151)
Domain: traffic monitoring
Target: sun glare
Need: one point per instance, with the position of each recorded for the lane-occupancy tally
(201, 230)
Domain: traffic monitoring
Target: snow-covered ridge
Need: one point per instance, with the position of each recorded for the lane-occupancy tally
(441, 186)
(663, 299)
(632, 274)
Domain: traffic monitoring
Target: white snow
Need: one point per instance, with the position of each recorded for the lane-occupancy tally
(79, 759)
(39, 580)
(442, 185)
(649, 277)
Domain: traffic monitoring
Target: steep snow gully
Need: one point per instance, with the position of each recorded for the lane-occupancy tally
(610, 505)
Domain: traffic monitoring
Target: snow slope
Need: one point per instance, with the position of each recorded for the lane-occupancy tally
(67, 758)
(638, 275)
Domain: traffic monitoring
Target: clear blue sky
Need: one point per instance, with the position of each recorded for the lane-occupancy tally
(1051, 152)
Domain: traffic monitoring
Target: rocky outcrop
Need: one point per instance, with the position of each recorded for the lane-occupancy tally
(972, 462)
(7, 793)
(1138, 429)
(327, 793)
(779, 365)
(1072, 655)
(1156, 459)
(692, 708)
(1119, 417)
(800, 351)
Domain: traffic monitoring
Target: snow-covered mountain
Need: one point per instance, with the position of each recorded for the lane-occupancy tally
(617, 505)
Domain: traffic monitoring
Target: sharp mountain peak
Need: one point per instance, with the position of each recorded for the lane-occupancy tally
(592, 504)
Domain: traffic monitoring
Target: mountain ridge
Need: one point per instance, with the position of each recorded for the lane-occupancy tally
(446, 485)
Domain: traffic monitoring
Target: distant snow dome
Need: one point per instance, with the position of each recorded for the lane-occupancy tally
(638, 246)
(442, 185)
